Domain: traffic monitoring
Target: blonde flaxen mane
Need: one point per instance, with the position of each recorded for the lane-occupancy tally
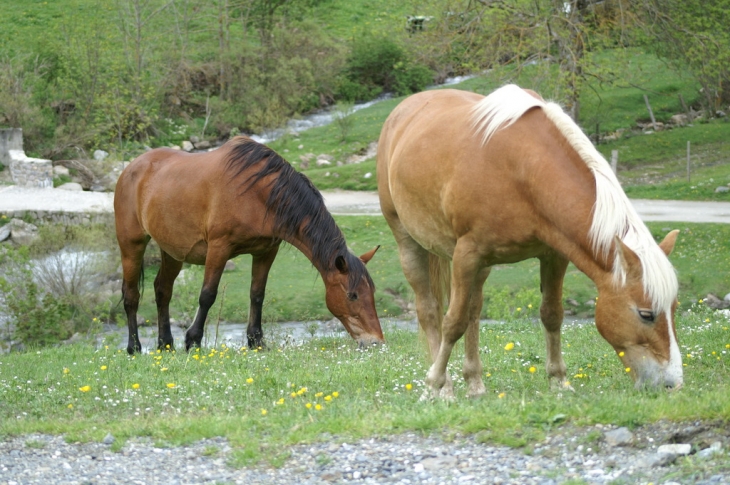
(613, 213)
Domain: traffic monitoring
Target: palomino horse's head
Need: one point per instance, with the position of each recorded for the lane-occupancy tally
(351, 299)
(641, 332)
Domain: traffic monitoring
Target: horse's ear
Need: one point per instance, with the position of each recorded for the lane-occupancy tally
(341, 264)
(628, 258)
(667, 244)
(369, 255)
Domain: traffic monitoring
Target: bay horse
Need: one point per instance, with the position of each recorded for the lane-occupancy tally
(206, 208)
(467, 182)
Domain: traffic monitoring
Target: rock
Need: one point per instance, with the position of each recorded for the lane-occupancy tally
(323, 163)
(720, 113)
(108, 439)
(324, 156)
(194, 139)
(675, 449)
(619, 437)
(572, 302)
(713, 301)
(202, 145)
(367, 175)
(721, 189)
(656, 460)
(22, 233)
(72, 186)
(100, 155)
(187, 146)
(59, 170)
(230, 266)
(714, 449)
(678, 119)
(4, 232)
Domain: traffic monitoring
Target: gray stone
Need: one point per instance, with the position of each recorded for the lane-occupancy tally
(230, 266)
(675, 449)
(59, 170)
(100, 155)
(108, 439)
(4, 232)
(619, 437)
(73, 186)
(323, 163)
(22, 233)
(722, 189)
(187, 146)
(202, 145)
(714, 449)
(678, 119)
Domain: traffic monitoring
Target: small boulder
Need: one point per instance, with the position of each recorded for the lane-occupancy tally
(619, 437)
(22, 233)
(4, 232)
(100, 155)
(187, 146)
(72, 186)
(60, 170)
(202, 145)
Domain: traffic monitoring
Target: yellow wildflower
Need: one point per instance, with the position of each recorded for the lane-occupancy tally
(263, 412)
(171, 385)
(135, 386)
(532, 369)
(328, 398)
(501, 395)
(249, 380)
(409, 386)
(335, 394)
(628, 369)
(509, 346)
(85, 388)
(66, 370)
(318, 407)
(308, 405)
(103, 367)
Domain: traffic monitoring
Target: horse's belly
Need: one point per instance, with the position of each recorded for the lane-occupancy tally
(194, 254)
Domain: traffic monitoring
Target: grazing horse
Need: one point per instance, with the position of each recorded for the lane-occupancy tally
(467, 182)
(206, 208)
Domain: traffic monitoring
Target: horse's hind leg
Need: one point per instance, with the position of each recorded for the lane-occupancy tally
(414, 260)
(552, 272)
(215, 261)
(132, 256)
(169, 269)
(466, 273)
(259, 275)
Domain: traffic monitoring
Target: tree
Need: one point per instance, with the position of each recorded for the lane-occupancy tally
(694, 33)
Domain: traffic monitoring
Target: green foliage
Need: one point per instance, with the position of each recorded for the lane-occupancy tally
(694, 33)
(39, 318)
(377, 64)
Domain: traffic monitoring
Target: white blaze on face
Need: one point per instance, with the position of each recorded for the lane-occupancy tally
(673, 370)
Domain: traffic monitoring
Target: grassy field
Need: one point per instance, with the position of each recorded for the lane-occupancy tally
(263, 400)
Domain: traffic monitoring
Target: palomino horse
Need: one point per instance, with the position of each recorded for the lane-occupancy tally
(206, 208)
(498, 179)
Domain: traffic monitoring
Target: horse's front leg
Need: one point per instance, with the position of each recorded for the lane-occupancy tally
(215, 262)
(472, 362)
(260, 267)
(466, 282)
(132, 255)
(169, 269)
(552, 273)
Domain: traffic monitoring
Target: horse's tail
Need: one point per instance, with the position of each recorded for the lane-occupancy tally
(439, 271)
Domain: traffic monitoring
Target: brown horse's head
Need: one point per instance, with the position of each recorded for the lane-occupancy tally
(352, 300)
(641, 332)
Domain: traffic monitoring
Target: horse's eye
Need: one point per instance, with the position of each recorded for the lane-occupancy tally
(647, 315)
(352, 296)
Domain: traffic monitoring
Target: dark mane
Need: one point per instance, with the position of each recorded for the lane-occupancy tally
(296, 205)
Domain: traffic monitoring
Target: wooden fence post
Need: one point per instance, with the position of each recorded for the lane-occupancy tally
(614, 161)
(651, 113)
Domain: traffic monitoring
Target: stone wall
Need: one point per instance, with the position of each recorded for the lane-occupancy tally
(25, 171)
(61, 217)
(10, 139)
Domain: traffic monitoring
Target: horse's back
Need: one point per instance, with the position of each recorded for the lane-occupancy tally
(439, 182)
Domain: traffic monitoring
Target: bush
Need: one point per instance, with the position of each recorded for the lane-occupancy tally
(379, 64)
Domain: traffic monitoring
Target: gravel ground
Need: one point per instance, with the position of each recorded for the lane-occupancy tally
(601, 454)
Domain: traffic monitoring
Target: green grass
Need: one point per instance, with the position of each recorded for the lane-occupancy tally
(259, 400)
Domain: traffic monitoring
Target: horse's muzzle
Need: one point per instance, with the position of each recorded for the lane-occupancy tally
(369, 341)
